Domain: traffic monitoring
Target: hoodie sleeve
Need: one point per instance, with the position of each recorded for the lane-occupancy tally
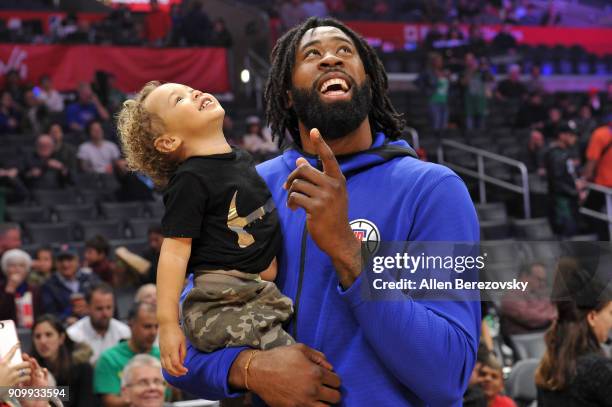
(438, 338)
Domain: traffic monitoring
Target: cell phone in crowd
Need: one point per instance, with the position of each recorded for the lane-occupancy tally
(8, 339)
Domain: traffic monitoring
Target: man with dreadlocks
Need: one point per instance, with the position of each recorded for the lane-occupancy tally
(346, 177)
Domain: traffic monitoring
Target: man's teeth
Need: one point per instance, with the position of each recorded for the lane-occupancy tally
(334, 81)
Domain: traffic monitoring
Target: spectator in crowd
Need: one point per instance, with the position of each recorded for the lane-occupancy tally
(52, 99)
(258, 141)
(196, 24)
(157, 24)
(535, 84)
(14, 86)
(599, 155)
(220, 35)
(107, 374)
(530, 310)
(474, 395)
(64, 293)
(435, 83)
(586, 126)
(10, 115)
(598, 169)
(489, 15)
(15, 190)
(606, 99)
(64, 152)
(492, 383)
(66, 360)
(41, 170)
(154, 239)
(574, 370)
(436, 33)
(535, 158)
(512, 88)
(10, 237)
(96, 258)
(594, 101)
(19, 300)
(550, 130)
(476, 42)
(86, 109)
(467, 10)
(99, 329)
(142, 384)
(114, 96)
(177, 18)
(504, 41)
(35, 114)
(42, 266)
(476, 81)
(532, 114)
(563, 188)
(315, 8)
(291, 14)
(97, 155)
(147, 293)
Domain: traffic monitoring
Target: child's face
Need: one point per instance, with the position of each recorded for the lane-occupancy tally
(185, 112)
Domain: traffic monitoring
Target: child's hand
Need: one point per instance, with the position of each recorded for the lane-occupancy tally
(173, 349)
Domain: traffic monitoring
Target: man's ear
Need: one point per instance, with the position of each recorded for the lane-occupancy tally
(167, 143)
(289, 99)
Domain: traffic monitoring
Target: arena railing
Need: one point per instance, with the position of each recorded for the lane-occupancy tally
(603, 216)
(480, 173)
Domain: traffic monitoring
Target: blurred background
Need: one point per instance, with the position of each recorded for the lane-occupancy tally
(514, 95)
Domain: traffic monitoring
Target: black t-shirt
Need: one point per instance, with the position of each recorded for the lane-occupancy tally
(226, 208)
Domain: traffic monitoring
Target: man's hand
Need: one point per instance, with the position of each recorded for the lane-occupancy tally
(172, 348)
(293, 375)
(324, 197)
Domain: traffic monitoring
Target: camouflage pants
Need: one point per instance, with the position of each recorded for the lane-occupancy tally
(231, 308)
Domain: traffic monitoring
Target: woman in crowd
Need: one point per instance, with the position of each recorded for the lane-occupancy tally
(258, 141)
(67, 361)
(42, 266)
(575, 370)
(19, 300)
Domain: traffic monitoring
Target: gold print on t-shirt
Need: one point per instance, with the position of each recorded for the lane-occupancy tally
(237, 223)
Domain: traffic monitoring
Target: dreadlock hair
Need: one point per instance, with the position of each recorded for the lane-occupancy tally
(383, 116)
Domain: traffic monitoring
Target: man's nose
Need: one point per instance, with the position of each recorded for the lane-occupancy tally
(330, 60)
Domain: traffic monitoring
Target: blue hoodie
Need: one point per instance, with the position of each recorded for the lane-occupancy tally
(387, 353)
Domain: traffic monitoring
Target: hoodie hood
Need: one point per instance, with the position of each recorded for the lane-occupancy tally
(381, 151)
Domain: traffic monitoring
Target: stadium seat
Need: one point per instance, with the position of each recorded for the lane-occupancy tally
(75, 213)
(122, 210)
(47, 233)
(533, 229)
(140, 227)
(492, 211)
(137, 245)
(501, 251)
(520, 385)
(110, 229)
(494, 229)
(528, 346)
(52, 197)
(156, 209)
(24, 214)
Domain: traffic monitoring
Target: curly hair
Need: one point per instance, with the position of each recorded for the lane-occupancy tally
(383, 116)
(138, 128)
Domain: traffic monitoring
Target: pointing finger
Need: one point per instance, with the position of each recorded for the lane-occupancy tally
(330, 164)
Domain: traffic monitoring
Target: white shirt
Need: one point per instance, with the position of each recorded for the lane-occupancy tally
(99, 158)
(83, 331)
(53, 100)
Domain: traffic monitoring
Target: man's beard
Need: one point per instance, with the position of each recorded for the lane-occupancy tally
(333, 119)
(101, 324)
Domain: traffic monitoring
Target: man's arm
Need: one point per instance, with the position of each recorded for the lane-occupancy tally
(282, 376)
(438, 338)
